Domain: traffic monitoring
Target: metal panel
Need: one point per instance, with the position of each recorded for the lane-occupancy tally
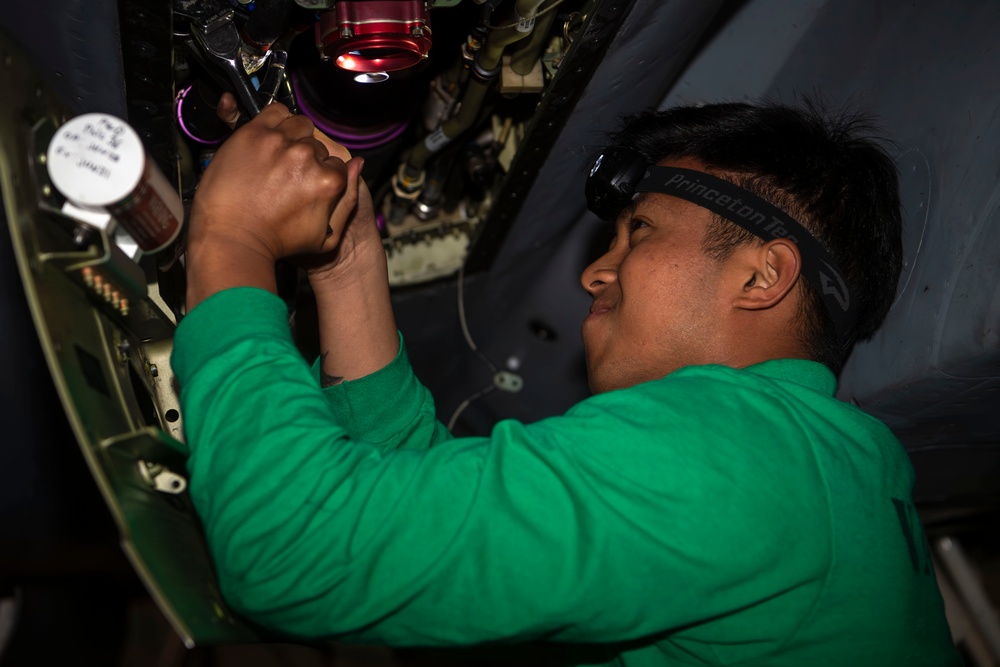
(100, 351)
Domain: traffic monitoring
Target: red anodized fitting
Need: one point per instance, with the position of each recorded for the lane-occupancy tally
(375, 35)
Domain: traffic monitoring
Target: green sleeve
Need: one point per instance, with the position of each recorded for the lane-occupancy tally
(613, 522)
(389, 408)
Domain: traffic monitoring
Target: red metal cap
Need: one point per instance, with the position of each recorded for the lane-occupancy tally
(375, 35)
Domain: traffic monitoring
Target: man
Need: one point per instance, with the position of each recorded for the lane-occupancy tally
(712, 503)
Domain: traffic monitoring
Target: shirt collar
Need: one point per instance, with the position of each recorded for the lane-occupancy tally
(810, 374)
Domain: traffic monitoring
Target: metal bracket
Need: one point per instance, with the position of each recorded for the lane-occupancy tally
(161, 478)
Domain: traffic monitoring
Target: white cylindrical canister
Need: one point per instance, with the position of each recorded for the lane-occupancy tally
(97, 161)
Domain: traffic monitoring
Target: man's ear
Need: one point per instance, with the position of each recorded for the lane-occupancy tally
(769, 272)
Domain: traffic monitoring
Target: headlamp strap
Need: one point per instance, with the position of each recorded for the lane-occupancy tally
(764, 220)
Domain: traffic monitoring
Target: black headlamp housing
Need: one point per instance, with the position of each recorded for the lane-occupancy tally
(612, 181)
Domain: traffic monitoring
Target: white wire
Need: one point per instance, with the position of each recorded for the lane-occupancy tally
(465, 325)
(472, 346)
(467, 402)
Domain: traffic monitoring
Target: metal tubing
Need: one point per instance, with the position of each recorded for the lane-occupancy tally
(528, 51)
(472, 103)
(499, 38)
(487, 60)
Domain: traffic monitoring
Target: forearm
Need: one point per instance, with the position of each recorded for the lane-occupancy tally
(357, 328)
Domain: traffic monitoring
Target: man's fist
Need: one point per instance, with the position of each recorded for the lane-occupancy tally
(275, 189)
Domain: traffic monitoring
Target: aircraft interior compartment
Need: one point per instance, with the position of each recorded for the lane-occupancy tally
(478, 121)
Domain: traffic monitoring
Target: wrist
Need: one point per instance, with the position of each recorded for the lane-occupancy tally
(359, 269)
(215, 264)
(218, 236)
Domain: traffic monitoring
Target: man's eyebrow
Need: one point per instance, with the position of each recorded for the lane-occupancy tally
(634, 204)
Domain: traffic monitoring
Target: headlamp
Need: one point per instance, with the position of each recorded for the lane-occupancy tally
(612, 181)
(619, 173)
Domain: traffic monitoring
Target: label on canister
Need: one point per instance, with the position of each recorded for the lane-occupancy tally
(97, 161)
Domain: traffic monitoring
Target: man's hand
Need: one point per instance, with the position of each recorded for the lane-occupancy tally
(275, 189)
(360, 249)
(271, 191)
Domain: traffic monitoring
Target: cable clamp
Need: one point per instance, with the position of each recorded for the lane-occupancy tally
(509, 382)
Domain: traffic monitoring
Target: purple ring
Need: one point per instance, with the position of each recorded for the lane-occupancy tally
(180, 119)
(352, 141)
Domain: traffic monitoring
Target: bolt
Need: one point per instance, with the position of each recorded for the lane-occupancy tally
(80, 233)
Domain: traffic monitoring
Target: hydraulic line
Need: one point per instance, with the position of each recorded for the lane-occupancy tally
(486, 69)
(520, 28)
(527, 52)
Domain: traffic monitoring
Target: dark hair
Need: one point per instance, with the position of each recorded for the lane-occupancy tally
(826, 170)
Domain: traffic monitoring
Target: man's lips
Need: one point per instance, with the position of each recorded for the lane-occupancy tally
(599, 307)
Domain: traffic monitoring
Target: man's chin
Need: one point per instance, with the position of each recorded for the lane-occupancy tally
(602, 376)
(598, 384)
(604, 380)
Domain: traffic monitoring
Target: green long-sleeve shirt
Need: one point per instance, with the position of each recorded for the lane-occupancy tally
(715, 516)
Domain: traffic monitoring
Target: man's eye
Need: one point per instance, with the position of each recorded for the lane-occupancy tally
(636, 224)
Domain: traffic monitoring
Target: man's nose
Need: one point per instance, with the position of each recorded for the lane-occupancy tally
(599, 274)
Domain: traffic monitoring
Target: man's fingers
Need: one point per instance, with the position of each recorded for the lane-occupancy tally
(228, 110)
(346, 203)
(322, 154)
(332, 146)
(295, 126)
(342, 173)
(273, 115)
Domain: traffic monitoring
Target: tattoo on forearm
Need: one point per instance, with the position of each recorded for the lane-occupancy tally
(325, 379)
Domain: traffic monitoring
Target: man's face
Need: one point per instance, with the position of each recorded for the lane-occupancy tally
(657, 295)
